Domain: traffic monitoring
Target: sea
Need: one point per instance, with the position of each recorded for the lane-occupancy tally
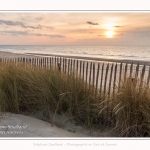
(113, 52)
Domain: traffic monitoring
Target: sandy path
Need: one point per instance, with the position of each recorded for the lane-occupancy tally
(17, 125)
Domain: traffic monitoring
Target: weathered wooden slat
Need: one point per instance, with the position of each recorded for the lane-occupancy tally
(38, 62)
(131, 70)
(87, 68)
(120, 75)
(125, 73)
(68, 64)
(93, 82)
(60, 62)
(97, 77)
(114, 84)
(50, 62)
(80, 68)
(55, 62)
(142, 75)
(83, 71)
(41, 62)
(71, 66)
(74, 64)
(47, 62)
(110, 80)
(44, 62)
(148, 78)
(143, 71)
(65, 65)
(137, 70)
(105, 82)
(102, 78)
(77, 66)
(90, 74)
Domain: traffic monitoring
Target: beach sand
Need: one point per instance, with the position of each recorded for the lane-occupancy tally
(113, 60)
(18, 125)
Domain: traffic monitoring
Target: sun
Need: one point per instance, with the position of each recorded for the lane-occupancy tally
(110, 34)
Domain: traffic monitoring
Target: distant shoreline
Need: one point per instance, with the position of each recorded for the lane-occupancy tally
(33, 55)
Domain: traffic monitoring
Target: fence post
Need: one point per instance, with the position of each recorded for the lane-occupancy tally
(83, 71)
(110, 80)
(106, 74)
(80, 68)
(77, 67)
(131, 69)
(101, 79)
(97, 78)
(142, 75)
(86, 71)
(125, 74)
(114, 84)
(93, 74)
(148, 78)
(120, 74)
(68, 65)
(90, 74)
(137, 70)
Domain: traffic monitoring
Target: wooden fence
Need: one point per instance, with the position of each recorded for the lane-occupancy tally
(103, 76)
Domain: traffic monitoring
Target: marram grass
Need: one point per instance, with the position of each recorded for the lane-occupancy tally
(25, 88)
(30, 89)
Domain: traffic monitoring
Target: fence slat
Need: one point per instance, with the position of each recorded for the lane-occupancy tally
(77, 67)
(55, 62)
(97, 77)
(93, 74)
(131, 70)
(143, 71)
(87, 68)
(125, 73)
(68, 64)
(65, 65)
(83, 72)
(71, 66)
(90, 75)
(101, 78)
(148, 78)
(114, 84)
(137, 71)
(74, 63)
(105, 82)
(80, 68)
(110, 80)
(120, 74)
(142, 75)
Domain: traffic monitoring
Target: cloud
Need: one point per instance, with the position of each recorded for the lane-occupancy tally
(15, 33)
(39, 18)
(117, 26)
(49, 35)
(23, 25)
(26, 33)
(92, 23)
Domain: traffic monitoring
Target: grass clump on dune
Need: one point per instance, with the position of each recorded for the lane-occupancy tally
(131, 108)
(30, 89)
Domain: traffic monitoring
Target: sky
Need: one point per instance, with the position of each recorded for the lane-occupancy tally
(75, 28)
